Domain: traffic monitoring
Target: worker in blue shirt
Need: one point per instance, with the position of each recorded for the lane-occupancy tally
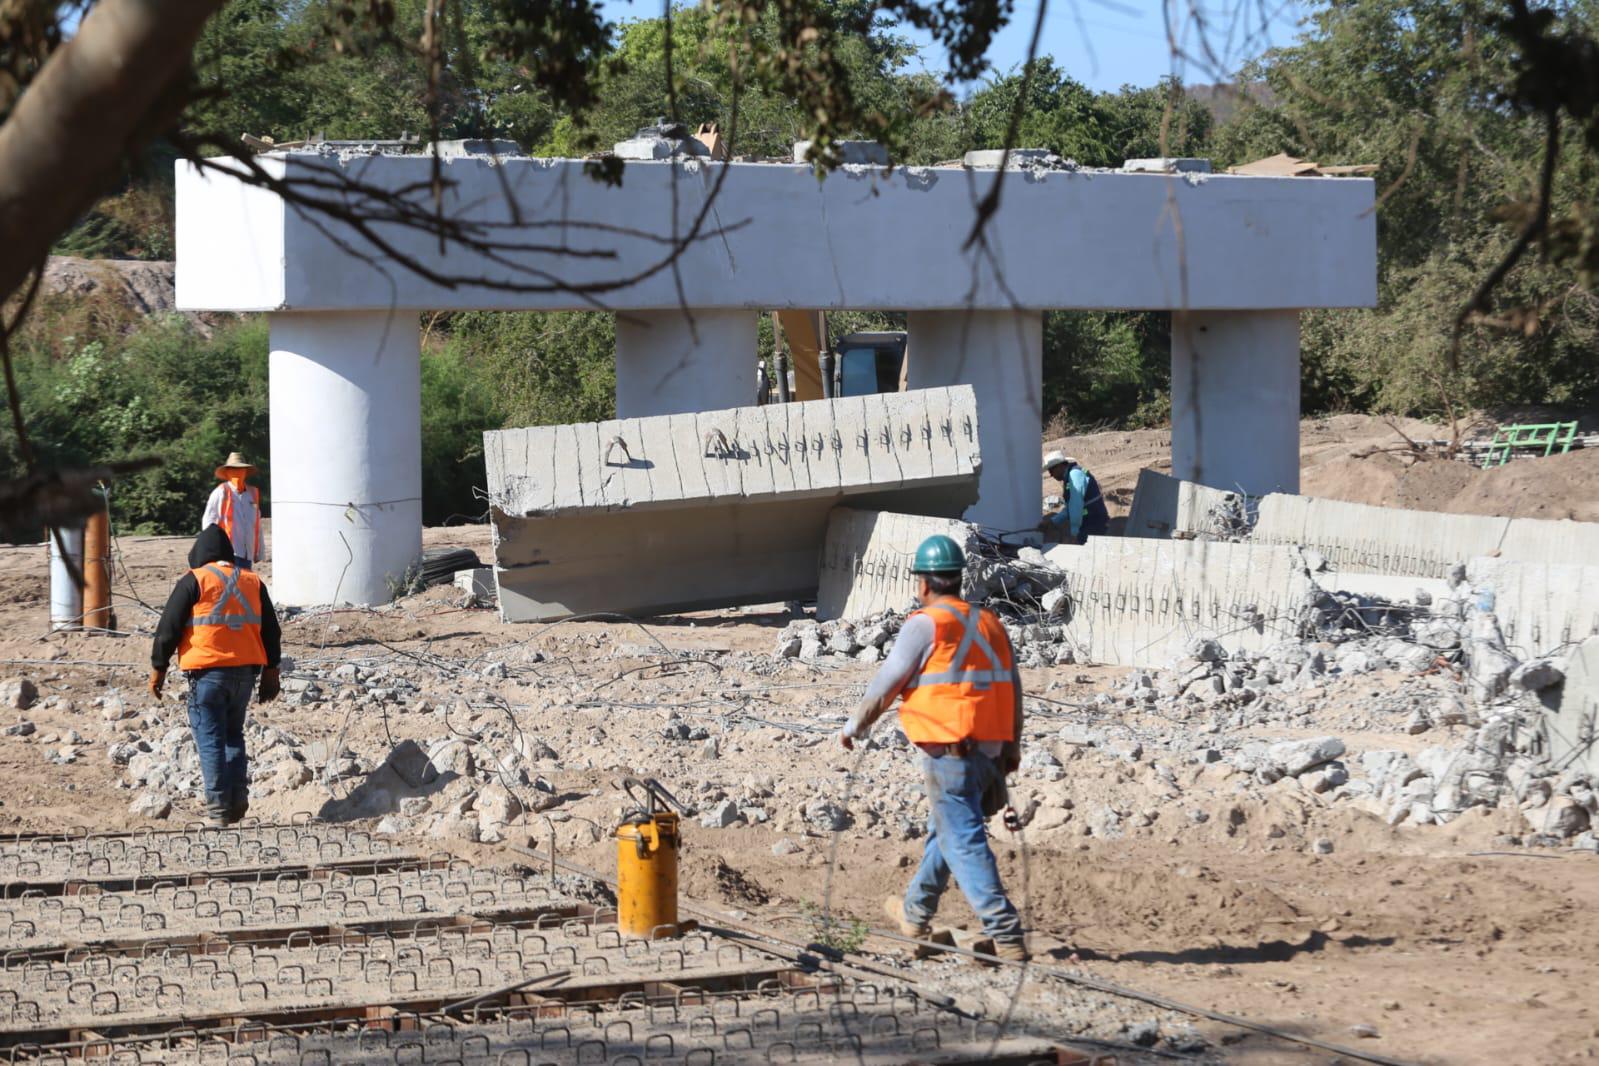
(1085, 514)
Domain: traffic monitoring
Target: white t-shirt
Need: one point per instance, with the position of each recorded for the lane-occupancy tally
(245, 520)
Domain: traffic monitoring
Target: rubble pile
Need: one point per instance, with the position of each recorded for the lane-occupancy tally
(1442, 662)
(1026, 592)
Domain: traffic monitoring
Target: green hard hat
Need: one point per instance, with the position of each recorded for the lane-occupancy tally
(939, 554)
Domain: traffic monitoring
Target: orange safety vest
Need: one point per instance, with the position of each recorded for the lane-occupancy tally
(225, 628)
(227, 517)
(964, 691)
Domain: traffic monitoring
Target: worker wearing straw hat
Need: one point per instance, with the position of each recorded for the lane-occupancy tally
(236, 507)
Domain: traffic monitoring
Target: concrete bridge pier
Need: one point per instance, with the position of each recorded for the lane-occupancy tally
(346, 423)
(1000, 354)
(676, 362)
(1235, 399)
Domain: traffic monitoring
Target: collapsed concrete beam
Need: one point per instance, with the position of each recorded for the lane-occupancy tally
(717, 508)
(1389, 540)
(1163, 505)
(1139, 602)
(866, 560)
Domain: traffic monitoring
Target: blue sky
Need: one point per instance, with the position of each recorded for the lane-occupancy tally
(1108, 43)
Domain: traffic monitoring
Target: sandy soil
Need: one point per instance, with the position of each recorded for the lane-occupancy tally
(1456, 948)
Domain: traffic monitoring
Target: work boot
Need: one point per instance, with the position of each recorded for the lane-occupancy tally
(216, 816)
(238, 805)
(1011, 951)
(894, 907)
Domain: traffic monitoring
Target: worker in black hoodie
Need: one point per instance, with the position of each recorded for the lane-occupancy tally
(220, 621)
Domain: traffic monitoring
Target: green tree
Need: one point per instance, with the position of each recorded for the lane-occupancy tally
(1418, 87)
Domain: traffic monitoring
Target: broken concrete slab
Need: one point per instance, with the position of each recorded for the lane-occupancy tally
(1164, 505)
(1572, 725)
(715, 508)
(1138, 602)
(1390, 540)
(867, 556)
(1542, 607)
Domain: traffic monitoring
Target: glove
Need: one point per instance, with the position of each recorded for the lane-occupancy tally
(846, 737)
(158, 678)
(1010, 758)
(268, 690)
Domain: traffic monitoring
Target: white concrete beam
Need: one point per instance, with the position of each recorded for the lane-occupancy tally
(1235, 400)
(1394, 540)
(776, 237)
(674, 362)
(867, 557)
(711, 509)
(346, 424)
(1001, 355)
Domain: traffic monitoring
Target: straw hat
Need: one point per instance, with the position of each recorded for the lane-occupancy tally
(235, 461)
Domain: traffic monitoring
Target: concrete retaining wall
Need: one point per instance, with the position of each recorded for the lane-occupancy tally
(1388, 540)
(1138, 602)
(720, 508)
(867, 556)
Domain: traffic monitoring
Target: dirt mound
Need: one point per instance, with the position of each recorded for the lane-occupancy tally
(1560, 486)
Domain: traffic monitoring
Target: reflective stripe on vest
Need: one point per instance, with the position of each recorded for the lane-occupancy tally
(230, 592)
(224, 629)
(973, 635)
(965, 690)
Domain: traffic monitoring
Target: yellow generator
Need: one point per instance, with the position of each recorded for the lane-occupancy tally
(647, 841)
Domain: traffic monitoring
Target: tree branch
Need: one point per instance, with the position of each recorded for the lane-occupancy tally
(97, 100)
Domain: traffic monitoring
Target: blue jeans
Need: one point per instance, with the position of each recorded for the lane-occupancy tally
(218, 698)
(957, 843)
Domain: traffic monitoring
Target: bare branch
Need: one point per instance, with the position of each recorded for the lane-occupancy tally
(98, 99)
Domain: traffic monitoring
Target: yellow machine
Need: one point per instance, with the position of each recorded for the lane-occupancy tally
(646, 863)
(818, 366)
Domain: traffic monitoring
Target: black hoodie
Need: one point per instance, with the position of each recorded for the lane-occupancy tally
(212, 545)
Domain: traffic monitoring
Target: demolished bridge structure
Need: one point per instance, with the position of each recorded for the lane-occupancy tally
(714, 508)
(1233, 258)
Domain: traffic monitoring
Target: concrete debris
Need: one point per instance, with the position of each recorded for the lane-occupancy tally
(152, 805)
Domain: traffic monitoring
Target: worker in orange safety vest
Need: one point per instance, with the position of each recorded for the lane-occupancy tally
(961, 704)
(236, 507)
(220, 622)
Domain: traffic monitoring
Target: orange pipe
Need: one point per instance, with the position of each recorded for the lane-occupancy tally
(97, 572)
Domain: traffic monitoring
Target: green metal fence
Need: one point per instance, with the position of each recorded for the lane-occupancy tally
(1542, 439)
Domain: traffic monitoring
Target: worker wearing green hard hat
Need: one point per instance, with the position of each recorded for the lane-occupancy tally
(939, 554)
(954, 673)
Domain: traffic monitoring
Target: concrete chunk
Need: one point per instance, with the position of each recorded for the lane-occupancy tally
(867, 556)
(718, 508)
(1137, 602)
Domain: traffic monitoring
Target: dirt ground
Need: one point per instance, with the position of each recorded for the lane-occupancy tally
(1452, 945)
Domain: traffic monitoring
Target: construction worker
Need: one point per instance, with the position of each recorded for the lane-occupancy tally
(1085, 514)
(962, 706)
(220, 621)
(236, 507)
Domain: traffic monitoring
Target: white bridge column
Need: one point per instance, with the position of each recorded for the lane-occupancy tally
(346, 455)
(663, 368)
(1001, 355)
(1235, 399)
